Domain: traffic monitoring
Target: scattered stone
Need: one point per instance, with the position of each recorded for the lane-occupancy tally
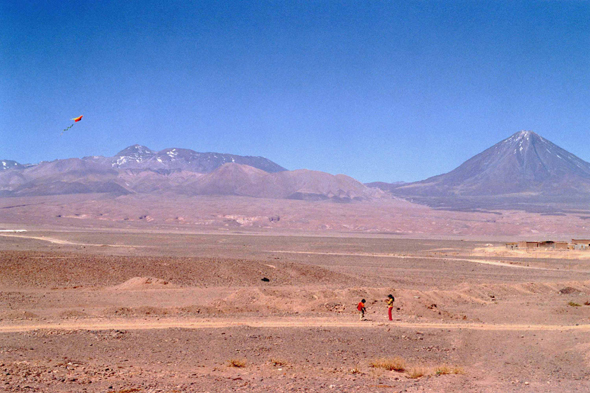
(569, 291)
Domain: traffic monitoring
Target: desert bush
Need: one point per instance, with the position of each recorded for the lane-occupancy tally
(458, 370)
(417, 372)
(236, 363)
(355, 370)
(278, 362)
(445, 369)
(573, 304)
(394, 364)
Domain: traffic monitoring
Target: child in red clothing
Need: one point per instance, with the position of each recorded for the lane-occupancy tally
(390, 300)
(362, 309)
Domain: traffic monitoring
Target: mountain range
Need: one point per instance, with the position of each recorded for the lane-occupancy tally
(138, 169)
(522, 172)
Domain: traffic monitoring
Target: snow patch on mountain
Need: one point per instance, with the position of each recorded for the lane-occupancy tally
(10, 164)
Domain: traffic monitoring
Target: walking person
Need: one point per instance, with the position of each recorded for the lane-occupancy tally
(390, 300)
(362, 309)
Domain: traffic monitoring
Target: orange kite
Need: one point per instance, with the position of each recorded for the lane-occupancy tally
(76, 119)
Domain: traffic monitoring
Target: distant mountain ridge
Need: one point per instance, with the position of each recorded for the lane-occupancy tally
(524, 172)
(385, 186)
(523, 168)
(138, 156)
(138, 169)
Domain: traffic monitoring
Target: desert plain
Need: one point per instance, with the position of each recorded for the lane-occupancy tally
(148, 310)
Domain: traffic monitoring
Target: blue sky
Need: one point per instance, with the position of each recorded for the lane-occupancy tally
(378, 90)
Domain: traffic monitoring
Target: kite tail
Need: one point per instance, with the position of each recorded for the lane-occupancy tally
(65, 129)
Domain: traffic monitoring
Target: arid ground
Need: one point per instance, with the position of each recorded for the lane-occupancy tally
(116, 310)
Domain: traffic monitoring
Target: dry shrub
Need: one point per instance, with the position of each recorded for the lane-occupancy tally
(573, 304)
(417, 372)
(395, 364)
(355, 370)
(278, 362)
(445, 369)
(236, 363)
(458, 370)
(587, 303)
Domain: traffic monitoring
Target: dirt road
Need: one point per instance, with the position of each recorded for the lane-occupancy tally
(143, 324)
(54, 240)
(441, 258)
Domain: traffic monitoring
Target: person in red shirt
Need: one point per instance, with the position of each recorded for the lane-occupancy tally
(390, 300)
(362, 309)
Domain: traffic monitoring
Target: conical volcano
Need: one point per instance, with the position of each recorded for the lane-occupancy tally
(523, 167)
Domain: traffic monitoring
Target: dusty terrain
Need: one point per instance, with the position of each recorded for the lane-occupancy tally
(145, 311)
(169, 212)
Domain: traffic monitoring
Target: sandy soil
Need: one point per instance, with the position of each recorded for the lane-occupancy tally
(230, 213)
(109, 311)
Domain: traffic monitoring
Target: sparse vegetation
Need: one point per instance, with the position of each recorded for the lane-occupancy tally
(236, 363)
(587, 303)
(355, 370)
(574, 304)
(445, 369)
(417, 372)
(278, 362)
(413, 372)
(458, 370)
(394, 364)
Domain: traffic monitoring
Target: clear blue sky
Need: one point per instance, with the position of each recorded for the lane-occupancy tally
(377, 89)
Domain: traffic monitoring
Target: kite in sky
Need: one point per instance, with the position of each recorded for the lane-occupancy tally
(76, 119)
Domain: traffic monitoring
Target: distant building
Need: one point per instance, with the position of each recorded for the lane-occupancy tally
(548, 244)
(581, 244)
(512, 246)
(544, 245)
(561, 245)
(553, 245)
(527, 245)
